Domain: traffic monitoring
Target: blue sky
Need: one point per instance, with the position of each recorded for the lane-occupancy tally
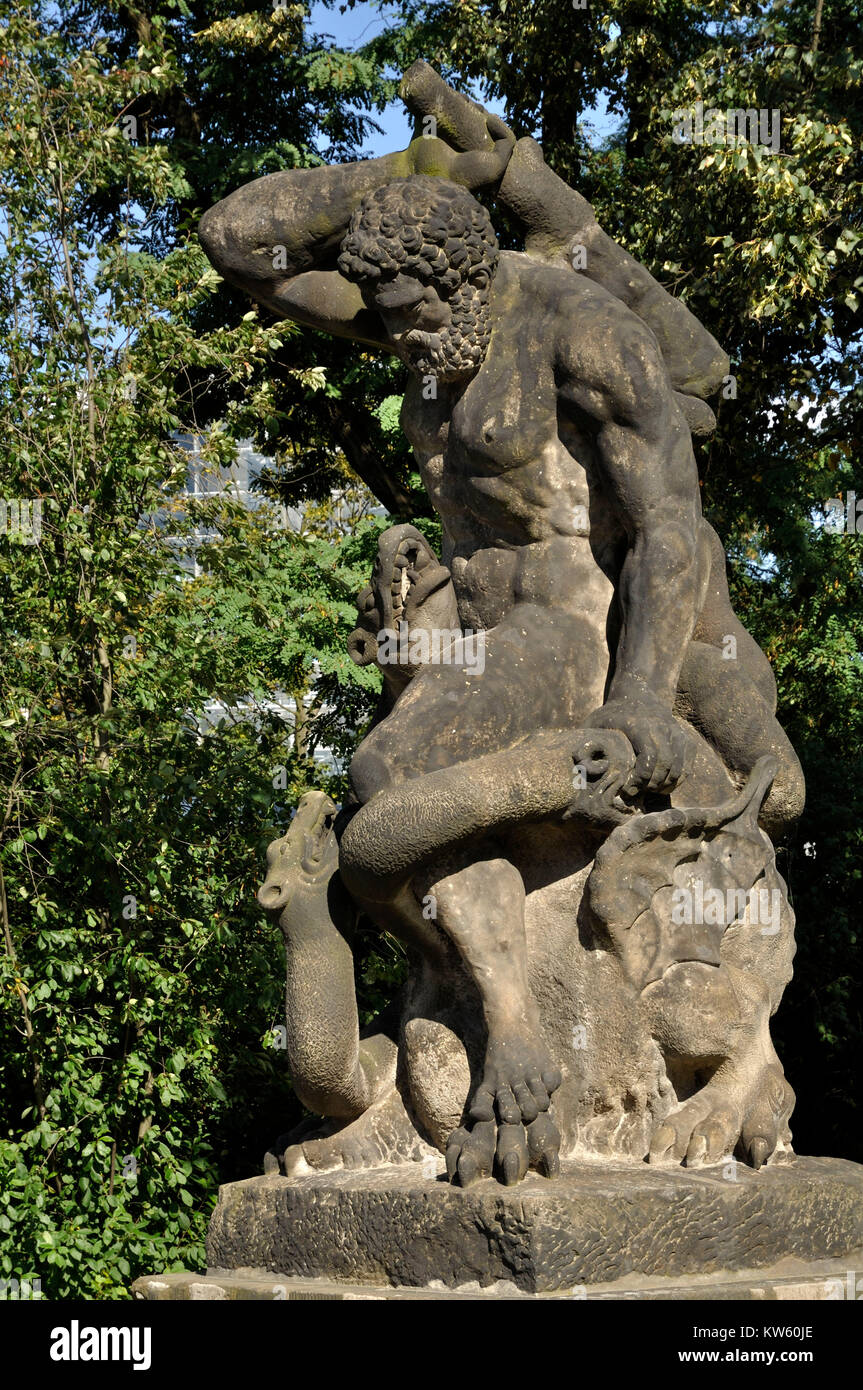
(360, 24)
(350, 30)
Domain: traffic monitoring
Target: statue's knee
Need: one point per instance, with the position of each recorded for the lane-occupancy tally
(370, 772)
(784, 805)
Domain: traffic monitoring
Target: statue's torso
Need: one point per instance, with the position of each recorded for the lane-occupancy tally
(512, 474)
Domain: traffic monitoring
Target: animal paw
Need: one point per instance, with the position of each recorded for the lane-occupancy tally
(701, 1131)
(748, 1117)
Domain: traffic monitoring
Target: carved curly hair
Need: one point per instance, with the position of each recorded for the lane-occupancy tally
(421, 225)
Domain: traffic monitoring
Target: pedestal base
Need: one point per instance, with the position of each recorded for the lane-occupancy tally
(596, 1228)
(818, 1281)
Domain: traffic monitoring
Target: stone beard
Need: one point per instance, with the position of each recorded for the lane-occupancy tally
(459, 348)
(441, 239)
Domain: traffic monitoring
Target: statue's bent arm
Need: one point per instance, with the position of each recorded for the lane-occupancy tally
(278, 237)
(648, 472)
(561, 227)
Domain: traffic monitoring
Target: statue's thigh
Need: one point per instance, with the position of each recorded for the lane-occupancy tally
(523, 677)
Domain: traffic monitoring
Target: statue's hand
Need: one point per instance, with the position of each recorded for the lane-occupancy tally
(477, 144)
(603, 762)
(466, 124)
(657, 739)
(471, 168)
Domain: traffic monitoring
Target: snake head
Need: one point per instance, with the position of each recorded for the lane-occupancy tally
(409, 589)
(307, 853)
(602, 764)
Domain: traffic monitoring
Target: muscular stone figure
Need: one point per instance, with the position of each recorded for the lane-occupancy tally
(550, 413)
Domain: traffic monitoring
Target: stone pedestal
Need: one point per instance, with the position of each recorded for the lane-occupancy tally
(813, 1281)
(596, 1228)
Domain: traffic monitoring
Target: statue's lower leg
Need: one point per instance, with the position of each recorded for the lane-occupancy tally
(479, 903)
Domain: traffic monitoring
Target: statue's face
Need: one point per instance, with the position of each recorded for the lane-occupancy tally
(435, 334)
(411, 311)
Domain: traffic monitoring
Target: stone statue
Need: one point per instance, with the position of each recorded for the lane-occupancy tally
(567, 805)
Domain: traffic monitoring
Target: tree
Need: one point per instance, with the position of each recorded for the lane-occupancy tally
(140, 983)
(241, 95)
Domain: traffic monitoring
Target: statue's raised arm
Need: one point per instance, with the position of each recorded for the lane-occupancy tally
(561, 227)
(278, 238)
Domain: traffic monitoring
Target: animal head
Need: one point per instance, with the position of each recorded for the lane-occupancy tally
(305, 855)
(409, 587)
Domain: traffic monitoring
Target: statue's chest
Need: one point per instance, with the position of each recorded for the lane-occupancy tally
(481, 448)
(506, 417)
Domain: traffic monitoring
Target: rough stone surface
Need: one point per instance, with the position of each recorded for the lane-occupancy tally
(815, 1281)
(597, 1226)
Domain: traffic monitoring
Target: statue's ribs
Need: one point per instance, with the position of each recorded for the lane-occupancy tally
(659, 879)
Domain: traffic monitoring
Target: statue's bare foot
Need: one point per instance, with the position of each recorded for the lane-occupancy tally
(348, 1148)
(312, 1127)
(510, 1129)
(728, 1114)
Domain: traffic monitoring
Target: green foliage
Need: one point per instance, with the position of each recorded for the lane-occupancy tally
(146, 755)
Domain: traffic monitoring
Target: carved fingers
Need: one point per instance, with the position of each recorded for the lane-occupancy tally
(658, 741)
